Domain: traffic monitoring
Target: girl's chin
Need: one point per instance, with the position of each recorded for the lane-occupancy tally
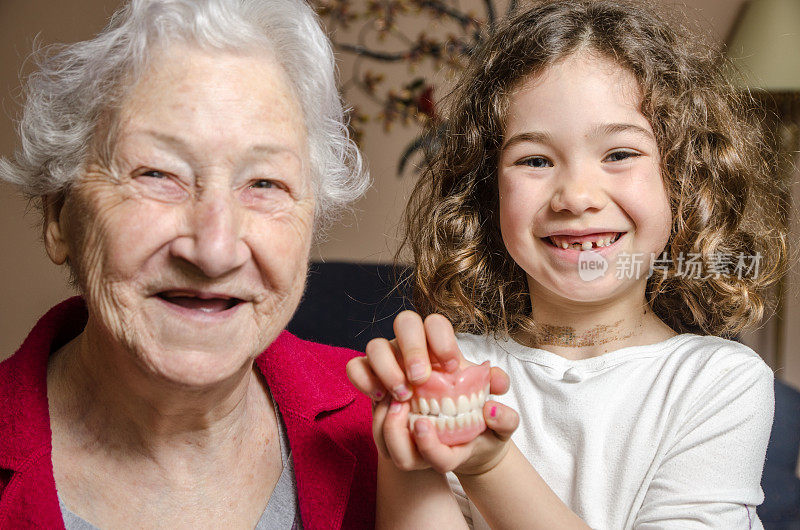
(575, 289)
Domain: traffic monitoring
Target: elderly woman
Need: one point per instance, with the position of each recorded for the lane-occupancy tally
(184, 159)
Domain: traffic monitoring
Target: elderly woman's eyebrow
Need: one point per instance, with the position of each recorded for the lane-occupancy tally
(183, 146)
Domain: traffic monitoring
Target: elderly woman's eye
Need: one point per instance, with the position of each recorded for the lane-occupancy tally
(159, 185)
(154, 173)
(264, 184)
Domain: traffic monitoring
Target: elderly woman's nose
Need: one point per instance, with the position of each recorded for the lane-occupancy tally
(578, 189)
(214, 242)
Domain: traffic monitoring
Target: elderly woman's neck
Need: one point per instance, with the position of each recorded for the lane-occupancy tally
(115, 398)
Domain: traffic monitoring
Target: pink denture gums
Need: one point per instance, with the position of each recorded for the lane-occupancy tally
(453, 403)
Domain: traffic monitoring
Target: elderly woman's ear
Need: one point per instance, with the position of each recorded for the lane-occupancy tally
(53, 230)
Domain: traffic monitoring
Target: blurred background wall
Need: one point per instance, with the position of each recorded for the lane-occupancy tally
(30, 284)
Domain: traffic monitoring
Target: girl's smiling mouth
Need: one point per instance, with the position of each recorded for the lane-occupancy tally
(571, 248)
(585, 242)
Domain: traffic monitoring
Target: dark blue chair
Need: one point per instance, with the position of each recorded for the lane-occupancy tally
(781, 507)
(347, 304)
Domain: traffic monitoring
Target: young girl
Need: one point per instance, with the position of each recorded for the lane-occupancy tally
(598, 217)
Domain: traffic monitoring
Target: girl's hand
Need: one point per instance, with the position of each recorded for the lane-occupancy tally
(379, 375)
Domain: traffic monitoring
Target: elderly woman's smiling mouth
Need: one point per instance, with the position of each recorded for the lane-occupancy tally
(199, 303)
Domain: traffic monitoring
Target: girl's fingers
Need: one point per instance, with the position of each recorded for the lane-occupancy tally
(409, 333)
(441, 457)
(498, 381)
(501, 419)
(364, 379)
(383, 362)
(442, 342)
(378, 417)
(399, 443)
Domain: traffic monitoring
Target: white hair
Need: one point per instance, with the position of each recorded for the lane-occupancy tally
(77, 84)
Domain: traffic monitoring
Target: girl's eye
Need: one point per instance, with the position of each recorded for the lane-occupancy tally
(537, 162)
(619, 156)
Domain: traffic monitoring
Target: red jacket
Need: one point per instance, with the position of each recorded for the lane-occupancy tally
(327, 421)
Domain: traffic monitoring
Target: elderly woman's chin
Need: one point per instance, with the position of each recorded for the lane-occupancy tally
(204, 353)
(190, 365)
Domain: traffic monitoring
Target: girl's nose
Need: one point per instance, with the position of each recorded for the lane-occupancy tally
(214, 242)
(577, 192)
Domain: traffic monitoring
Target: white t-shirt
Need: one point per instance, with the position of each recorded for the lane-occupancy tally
(668, 435)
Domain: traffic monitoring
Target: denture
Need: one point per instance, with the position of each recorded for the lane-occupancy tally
(453, 403)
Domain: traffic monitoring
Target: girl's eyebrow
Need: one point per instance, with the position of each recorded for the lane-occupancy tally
(605, 129)
(608, 129)
(535, 137)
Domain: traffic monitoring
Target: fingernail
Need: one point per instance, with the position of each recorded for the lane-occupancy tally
(451, 365)
(378, 395)
(401, 392)
(493, 412)
(395, 407)
(422, 427)
(417, 371)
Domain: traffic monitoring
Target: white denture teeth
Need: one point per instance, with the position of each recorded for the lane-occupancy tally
(463, 404)
(423, 406)
(453, 413)
(448, 407)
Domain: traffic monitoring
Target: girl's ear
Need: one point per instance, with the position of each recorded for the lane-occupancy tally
(53, 230)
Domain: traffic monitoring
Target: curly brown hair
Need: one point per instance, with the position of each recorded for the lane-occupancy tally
(715, 159)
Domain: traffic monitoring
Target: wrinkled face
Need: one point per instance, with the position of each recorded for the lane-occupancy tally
(192, 250)
(580, 166)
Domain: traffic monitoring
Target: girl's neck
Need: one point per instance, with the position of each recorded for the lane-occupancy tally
(577, 330)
